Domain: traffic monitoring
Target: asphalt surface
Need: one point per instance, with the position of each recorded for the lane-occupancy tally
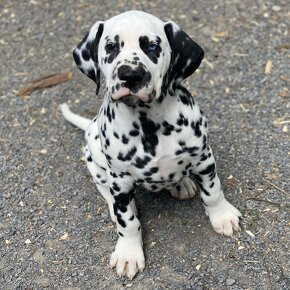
(55, 231)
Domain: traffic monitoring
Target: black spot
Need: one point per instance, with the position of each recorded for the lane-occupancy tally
(134, 133)
(128, 156)
(89, 158)
(107, 142)
(149, 138)
(168, 128)
(196, 129)
(131, 218)
(112, 49)
(120, 234)
(185, 97)
(190, 150)
(121, 222)
(116, 135)
(182, 120)
(204, 143)
(136, 126)
(141, 163)
(86, 54)
(98, 175)
(125, 140)
(122, 199)
(113, 174)
(203, 157)
(116, 187)
(180, 162)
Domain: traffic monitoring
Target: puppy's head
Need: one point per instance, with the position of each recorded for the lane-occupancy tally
(140, 56)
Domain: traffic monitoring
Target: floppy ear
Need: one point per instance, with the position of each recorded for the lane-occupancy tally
(186, 55)
(86, 53)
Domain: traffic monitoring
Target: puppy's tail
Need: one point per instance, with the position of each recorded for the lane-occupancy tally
(73, 118)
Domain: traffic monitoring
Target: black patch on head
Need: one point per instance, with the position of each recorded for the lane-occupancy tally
(112, 49)
(144, 44)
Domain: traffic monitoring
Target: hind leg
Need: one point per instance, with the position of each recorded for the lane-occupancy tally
(186, 189)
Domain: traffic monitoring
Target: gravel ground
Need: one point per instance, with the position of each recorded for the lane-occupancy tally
(55, 231)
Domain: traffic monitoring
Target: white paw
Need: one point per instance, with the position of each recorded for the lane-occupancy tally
(187, 189)
(224, 218)
(128, 257)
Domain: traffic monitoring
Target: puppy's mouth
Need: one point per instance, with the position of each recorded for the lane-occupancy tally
(126, 96)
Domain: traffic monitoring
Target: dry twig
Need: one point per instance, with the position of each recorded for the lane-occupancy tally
(44, 82)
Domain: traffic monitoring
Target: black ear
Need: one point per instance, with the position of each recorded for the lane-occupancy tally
(186, 55)
(86, 53)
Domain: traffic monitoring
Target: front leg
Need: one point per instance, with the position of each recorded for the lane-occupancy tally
(128, 257)
(223, 216)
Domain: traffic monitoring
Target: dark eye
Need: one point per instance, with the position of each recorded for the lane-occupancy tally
(110, 47)
(152, 46)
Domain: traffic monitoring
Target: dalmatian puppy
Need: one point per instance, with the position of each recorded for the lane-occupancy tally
(149, 130)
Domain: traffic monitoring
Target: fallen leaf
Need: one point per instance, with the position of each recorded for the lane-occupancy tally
(285, 129)
(64, 237)
(268, 67)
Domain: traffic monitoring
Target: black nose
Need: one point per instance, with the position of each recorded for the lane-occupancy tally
(131, 77)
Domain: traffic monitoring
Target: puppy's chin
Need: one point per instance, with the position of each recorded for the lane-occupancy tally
(130, 100)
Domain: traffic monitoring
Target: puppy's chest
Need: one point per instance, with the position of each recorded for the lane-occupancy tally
(150, 150)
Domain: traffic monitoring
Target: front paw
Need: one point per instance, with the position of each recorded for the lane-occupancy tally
(128, 257)
(224, 218)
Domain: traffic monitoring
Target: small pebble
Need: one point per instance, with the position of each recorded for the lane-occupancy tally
(276, 8)
(230, 282)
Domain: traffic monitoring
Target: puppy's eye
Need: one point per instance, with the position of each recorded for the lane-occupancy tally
(110, 47)
(152, 46)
